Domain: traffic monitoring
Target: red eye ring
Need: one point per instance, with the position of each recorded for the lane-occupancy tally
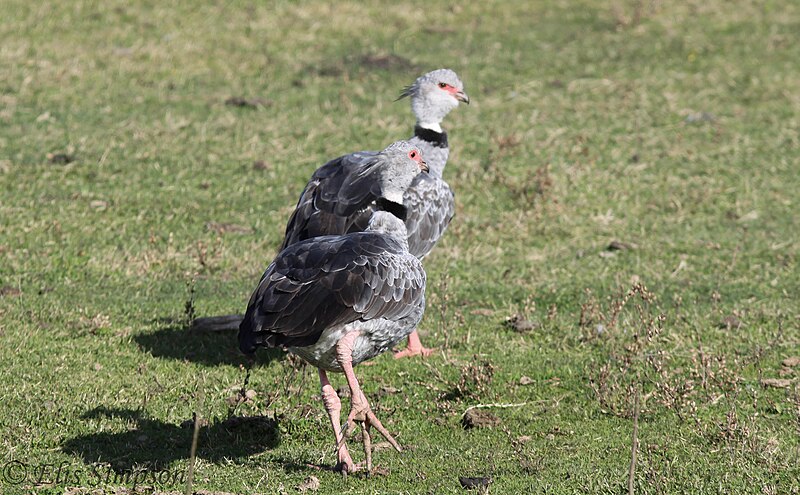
(412, 154)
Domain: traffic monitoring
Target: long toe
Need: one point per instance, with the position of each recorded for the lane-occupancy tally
(416, 351)
(367, 438)
(373, 421)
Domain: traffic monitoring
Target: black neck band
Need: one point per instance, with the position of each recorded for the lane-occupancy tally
(438, 139)
(395, 209)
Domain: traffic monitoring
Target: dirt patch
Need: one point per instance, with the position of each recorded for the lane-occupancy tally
(520, 324)
(474, 483)
(477, 418)
(700, 117)
(98, 204)
(439, 30)
(310, 484)
(60, 158)
(790, 362)
(387, 390)
(385, 62)
(730, 322)
(776, 382)
(9, 291)
(241, 398)
(242, 102)
(621, 246)
(379, 471)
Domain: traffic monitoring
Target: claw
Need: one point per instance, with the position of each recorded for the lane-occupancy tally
(370, 420)
(414, 348)
(347, 429)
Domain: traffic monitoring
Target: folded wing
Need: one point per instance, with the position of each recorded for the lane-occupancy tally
(431, 205)
(329, 281)
(338, 199)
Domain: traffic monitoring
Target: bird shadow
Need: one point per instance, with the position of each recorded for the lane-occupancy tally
(155, 444)
(184, 343)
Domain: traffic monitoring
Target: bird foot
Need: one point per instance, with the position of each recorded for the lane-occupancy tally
(411, 351)
(414, 347)
(370, 420)
(361, 413)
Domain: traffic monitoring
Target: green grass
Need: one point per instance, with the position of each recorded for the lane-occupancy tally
(587, 126)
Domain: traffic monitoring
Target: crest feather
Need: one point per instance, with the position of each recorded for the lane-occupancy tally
(407, 91)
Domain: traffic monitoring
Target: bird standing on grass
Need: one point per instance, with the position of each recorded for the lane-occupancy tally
(338, 300)
(340, 199)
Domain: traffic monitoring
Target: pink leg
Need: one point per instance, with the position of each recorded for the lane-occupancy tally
(414, 348)
(334, 407)
(359, 407)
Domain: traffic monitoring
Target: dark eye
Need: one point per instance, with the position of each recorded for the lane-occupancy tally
(412, 154)
(442, 85)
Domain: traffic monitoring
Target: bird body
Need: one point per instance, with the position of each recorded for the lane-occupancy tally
(342, 194)
(320, 289)
(338, 300)
(375, 337)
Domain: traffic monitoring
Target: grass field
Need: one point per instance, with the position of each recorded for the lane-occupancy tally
(134, 198)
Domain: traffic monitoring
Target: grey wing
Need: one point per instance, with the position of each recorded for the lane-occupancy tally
(328, 281)
(431, 205)
(336, 200)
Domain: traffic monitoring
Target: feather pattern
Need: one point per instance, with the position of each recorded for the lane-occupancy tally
(342, 195)
(338, 199)
(316, 288)
(431, 206)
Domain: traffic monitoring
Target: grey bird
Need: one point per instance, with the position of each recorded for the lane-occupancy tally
(338, 300)
(341, 195)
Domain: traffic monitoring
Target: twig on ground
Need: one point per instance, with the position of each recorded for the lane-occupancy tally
(195, 437)
(634, 441)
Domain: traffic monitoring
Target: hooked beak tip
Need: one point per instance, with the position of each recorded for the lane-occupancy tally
(462, 96)
(424, 167)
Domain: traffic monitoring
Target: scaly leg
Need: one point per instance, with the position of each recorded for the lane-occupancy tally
(334, 407)
(414, 348)
(359, 407)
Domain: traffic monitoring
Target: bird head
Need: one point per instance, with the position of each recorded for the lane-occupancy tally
(434, 95)
(401, 161)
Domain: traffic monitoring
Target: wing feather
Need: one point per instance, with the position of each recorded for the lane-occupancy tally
(431, 206)
(338, 199)
(360, 276)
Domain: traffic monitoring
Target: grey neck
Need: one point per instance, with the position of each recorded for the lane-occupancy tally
(386, 223)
